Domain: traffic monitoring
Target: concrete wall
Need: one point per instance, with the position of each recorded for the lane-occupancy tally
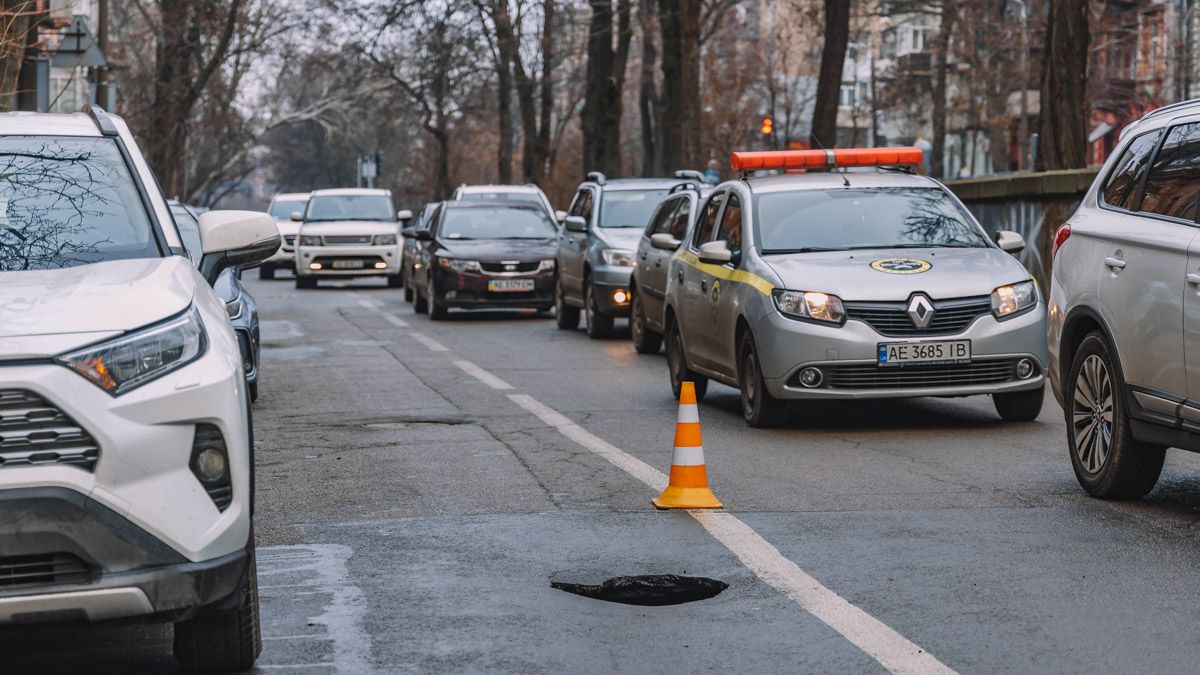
(1023, 203)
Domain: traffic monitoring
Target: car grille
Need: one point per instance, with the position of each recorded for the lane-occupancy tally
(51, 568)
(33, 432)
(346, 240)
(868, 376)
(891, 318)
(504, 268)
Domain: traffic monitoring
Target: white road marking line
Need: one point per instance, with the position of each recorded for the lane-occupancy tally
(482, 375)
(289, 666)
(433, 345)
(892, 650)
(394, 320)
(319, 638)
(368, 304)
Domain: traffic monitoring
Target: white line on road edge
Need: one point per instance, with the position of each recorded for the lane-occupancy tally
(433, 345)
(368, 304)
(482, 375)
(395, 320)
(892, 650)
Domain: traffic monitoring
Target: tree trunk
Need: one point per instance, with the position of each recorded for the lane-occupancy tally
(504, 77)
(829, 80)
(679, 22)
(1063, 139)
(601, 117)
(648, 101)
(941, 63)
(541, 149)
(14, 27)
(174, 62)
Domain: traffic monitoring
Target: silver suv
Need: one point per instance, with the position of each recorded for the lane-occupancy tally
(1125, 308)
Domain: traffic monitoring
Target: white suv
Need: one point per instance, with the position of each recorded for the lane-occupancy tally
(351, 232)
(1125, 308)
(125, 441)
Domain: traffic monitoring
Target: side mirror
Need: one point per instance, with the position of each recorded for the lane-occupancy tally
(408, 231)
(1010, 242)
(404, 215)
(715, 253)
(423, 235)
(560, 216)
(298, 216)
(664, 241)
(235, 239)
(575, 224)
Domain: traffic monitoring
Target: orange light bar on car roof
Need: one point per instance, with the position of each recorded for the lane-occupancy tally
(820, 159)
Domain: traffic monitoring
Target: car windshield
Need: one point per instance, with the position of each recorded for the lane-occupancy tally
(502, 196)
(68, 201)
(629, 208)
(350, 207)
(501, 222)
(845, 219)
(283, 210)
(189, 230)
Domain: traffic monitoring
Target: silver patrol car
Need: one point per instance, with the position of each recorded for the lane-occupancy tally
(851, 285)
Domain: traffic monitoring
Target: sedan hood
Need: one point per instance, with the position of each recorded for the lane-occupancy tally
(106, 297)
(895, 274)
(349, 227)
(495, 250)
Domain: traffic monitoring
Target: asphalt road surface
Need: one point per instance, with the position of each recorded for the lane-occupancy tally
(421, 484)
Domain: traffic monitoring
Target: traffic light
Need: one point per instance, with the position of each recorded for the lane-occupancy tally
(768, 126)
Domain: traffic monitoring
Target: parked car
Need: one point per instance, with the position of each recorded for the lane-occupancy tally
(1125, 308)
(126, 469)
(410, 254)
(347, 233)
(595, 254)
(486, 254)
(523, 193)
(668, 227)
(281, 209)
(239, 303)
(865, 285)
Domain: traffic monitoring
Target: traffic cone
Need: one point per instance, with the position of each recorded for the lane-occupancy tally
(688, 487)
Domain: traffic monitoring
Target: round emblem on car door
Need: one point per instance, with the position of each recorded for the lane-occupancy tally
(901, 266)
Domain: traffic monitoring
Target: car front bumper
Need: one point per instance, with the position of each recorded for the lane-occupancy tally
(470, 289)
(609, 281)
(327, 256)
(847, 357)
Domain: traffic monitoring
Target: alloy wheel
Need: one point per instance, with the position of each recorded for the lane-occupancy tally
(749, 381)
(1092, 414)
(636, 325)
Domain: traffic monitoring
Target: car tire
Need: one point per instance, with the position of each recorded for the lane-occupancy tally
(645, 340)
(253, 389)
(566, 317)
(1020, 406)
(437, 311)
(408, 292)
(224, 640)
(677, 365)
(759, 407)
(420, 302)
(599, 325)
(266, 272)
(395, 281)
(306, 282)
(1121, 467)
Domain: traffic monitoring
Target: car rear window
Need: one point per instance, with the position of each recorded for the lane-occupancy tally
(1173, 186)
(67, 201)
(843, 219)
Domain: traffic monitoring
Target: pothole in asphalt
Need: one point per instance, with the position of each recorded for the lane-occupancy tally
(648, 589)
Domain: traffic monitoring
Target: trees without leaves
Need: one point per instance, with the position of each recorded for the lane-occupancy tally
(829, 80)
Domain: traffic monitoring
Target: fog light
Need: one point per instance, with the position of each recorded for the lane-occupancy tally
(811, 377)
(314, 266)
(210, 465)
(381, 265)
(1025, 369)
(620, 297)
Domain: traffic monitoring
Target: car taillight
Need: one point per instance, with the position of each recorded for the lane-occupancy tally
(1060, 237)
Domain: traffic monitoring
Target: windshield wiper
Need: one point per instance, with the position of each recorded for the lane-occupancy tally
(805, 249)
(622, 227)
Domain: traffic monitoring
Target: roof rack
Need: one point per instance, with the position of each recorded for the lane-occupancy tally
(1195, 102)
(689, 173)
(104, 121)
(690, 185)
(597, 177)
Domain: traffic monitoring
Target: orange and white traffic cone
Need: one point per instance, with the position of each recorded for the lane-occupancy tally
(688, 487)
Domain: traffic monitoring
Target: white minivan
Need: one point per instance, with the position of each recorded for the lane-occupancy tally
(126, 467)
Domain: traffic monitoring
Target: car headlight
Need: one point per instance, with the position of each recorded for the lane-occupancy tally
(306, 240)
(617, 256)
(815, 306)
(546, 265)
(1011, 299)
(459, 265)
(383, 240)
(125, 363)
(235, 307)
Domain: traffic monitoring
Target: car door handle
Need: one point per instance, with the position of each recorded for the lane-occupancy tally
(642, 256)
(679, 275)
(1114, 263)
(1193, 279)
(658, 262)
(704, 285)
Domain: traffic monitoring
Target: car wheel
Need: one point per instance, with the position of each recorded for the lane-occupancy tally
(253, 389)
(1019, 406)
(395, 281)
(677, 365)
(420, 302)
(759, 407)
(306, 282)
(645, 341)
(408, 292)
(566, 317)
(437, 311)
(224, 640)
(599, 326)
(1109, 463)
(266, 272)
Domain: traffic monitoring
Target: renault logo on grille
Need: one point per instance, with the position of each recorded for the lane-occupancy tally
(920, 311)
